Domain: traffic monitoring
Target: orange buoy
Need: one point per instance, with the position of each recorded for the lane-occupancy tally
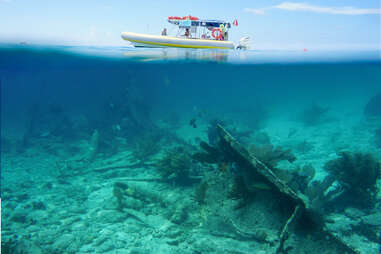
(217, 36)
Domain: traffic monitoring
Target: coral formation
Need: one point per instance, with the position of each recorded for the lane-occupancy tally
(357, 173)
(175, 164)
(270, 155)
(209, 154)
(297, 179)
(318, 196)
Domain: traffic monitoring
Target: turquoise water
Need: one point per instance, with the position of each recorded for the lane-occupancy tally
(117, 150)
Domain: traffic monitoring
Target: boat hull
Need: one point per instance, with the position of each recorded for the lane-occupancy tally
(153, 41)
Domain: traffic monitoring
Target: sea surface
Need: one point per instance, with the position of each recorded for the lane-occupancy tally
(122, 150)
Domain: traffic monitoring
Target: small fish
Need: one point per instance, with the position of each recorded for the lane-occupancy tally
(192, 123)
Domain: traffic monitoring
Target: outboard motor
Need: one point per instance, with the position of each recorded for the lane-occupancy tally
(244, 43)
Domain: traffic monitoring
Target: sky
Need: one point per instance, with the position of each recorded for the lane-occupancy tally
(271, 24)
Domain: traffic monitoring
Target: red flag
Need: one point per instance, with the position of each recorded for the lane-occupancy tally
(235, 22)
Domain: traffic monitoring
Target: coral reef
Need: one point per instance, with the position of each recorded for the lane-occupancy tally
(373, 107)
(240, 134)
(357, 173)
(209, 154)
(176, 164)
(119, 192)
(270, 155)
(297, 179)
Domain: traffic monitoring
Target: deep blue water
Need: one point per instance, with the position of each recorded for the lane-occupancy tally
(83, 79)
(62, 94)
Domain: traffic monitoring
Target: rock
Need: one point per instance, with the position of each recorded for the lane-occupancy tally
(340, 223)
(176, 232)
(19, 216)
(122, 251)
(38, 205)
(33, 228)
(373, 219)
(24, 245)
(106, 246)
(139, 251)
(133, 203)
(63, 243)
(354, 213)
(180, 215)
(110, 216)
(88, 238)
(99, 241)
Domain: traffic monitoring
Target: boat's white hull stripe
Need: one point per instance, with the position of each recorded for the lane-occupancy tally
(167, 41)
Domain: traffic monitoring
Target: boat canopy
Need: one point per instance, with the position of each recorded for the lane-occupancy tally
(189, 21)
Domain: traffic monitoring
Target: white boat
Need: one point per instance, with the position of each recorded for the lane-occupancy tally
(144, 40)
(192, 33)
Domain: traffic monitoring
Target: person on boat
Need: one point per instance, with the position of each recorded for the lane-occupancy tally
(225, 34)
(223, 31)
(187, 34)
(164, 32)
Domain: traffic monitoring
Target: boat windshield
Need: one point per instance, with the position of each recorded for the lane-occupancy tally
(193, 28)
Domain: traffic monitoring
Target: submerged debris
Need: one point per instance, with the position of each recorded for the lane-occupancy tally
(308, 203)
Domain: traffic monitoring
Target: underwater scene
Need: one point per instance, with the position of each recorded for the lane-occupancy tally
(120, 150)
